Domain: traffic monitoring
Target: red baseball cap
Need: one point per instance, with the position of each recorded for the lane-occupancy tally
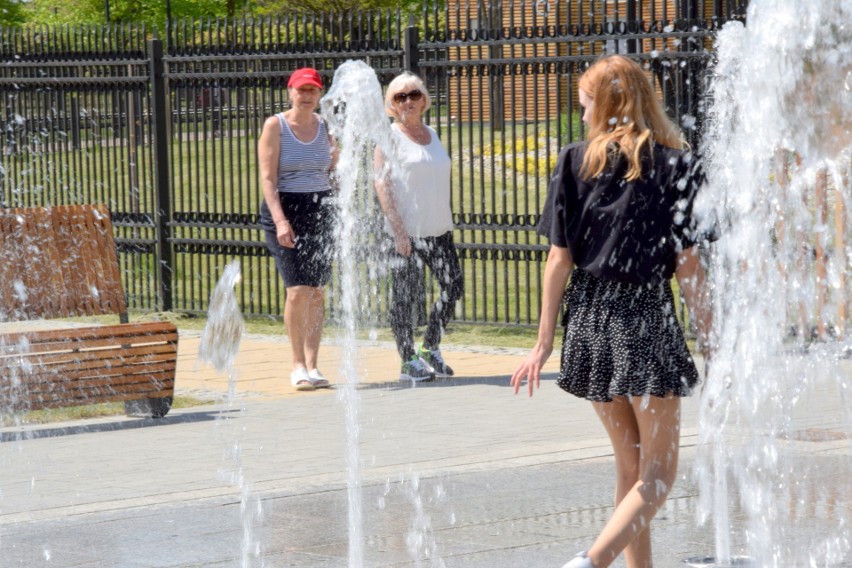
(305, 76)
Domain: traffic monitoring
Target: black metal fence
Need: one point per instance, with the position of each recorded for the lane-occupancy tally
(165, 131)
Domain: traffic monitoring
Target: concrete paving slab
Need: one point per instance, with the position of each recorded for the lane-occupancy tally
(458, 472)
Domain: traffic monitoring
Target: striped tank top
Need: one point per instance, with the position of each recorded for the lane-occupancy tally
(303, 166)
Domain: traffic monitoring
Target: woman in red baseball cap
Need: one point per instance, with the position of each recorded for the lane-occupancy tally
(297, 156)
(305, 76)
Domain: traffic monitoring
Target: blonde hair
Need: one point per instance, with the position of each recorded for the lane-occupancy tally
(627, 117)
(405, 82)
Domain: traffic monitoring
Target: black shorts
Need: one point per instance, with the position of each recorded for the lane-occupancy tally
(312, 217)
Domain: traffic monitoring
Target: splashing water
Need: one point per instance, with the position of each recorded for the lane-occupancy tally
(220, 342)
(420, 539)
(355, 114)
(777, 154)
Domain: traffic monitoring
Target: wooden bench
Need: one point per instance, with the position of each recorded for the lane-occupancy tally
(58, 262)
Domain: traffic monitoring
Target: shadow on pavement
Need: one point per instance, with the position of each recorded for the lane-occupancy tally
(35, 431)
(459, 381)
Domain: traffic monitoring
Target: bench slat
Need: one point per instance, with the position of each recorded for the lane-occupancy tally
(101, 346)
(156, 379)
(64, 373)
(89, 395)
(44, 341)
(91, 332)
(94, 359)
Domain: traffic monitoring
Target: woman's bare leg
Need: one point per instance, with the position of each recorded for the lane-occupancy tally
(645, 435)
(303, 317)
(620, 423)
(315, 321)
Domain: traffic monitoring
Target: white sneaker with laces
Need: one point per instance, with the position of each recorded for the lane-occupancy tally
(318, 379)
(300, 380)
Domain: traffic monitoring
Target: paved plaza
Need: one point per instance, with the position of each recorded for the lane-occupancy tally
(455, 473)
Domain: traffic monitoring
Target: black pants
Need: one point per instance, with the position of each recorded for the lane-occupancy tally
(439, 254)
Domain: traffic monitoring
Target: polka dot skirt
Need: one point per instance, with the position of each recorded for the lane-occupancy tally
(622, 339)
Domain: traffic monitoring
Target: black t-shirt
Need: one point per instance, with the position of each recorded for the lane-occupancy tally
(630, 231)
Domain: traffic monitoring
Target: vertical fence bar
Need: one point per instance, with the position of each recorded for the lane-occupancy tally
(411, 50)
(163, 204)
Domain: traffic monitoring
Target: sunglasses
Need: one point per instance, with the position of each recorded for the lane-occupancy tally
(414, 95)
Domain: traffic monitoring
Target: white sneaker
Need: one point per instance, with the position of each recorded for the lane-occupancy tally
(301, 380)
(579, 561)
(318, 379)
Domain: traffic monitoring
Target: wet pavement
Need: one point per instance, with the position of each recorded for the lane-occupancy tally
(459, 472)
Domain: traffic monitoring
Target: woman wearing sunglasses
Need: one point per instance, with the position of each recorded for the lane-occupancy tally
(413, 186)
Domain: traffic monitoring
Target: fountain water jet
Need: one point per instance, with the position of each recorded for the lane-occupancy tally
(354, 111)
(220, 342)
(778, 159)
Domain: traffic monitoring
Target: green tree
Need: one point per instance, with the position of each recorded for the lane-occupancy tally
(273, 7)
(153, 12)
(150, 12)
(11, 13)
(69, 12)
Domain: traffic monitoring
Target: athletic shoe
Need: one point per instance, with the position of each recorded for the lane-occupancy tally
(416, 370)
(579, 561)
(301, 380)
(433, 358)
(318, 379)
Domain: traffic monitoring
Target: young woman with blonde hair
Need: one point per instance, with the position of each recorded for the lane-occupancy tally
(619, 218)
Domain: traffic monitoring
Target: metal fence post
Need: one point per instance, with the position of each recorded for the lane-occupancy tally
(163, 205)
(411, 49)
(631, 26)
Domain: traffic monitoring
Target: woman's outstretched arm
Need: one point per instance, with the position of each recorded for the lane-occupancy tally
(556, 273)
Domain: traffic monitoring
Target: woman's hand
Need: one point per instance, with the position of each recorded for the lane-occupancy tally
(531, 367)
(284, 233)
(556, 272)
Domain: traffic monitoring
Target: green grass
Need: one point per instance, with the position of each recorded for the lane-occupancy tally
(457, 334)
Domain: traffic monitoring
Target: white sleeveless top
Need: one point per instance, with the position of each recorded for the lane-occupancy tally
(420, 177)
